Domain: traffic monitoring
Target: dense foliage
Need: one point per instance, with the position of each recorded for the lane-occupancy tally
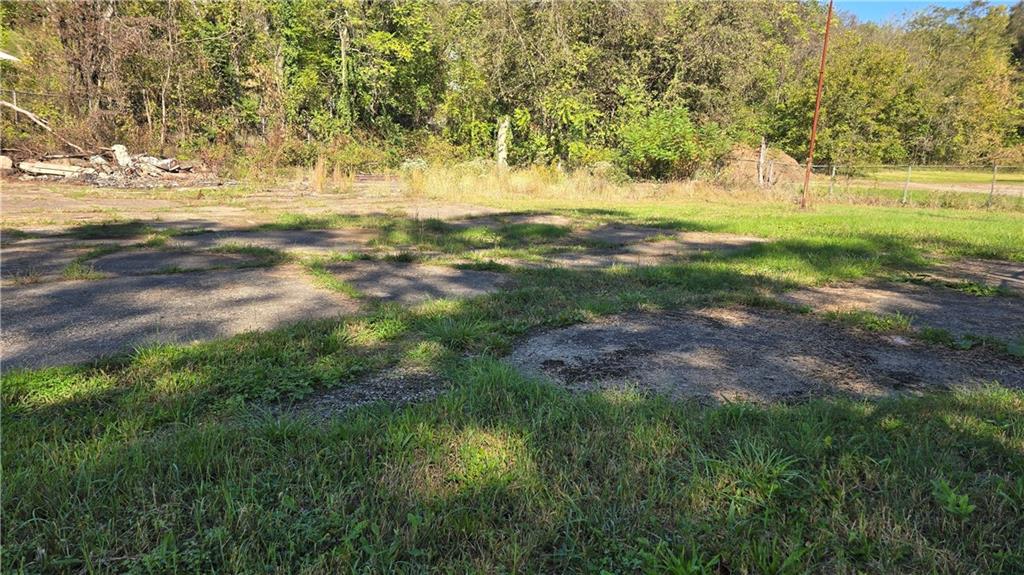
(370, 83)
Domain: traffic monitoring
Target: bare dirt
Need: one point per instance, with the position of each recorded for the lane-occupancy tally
(1008, 276)
(958, 313)
(142, 262)
(635, 246)
(35, 206)
(69, 322)
(415, 283)
(313, 241)
(723, 355)
(391, 387)
(740, 169)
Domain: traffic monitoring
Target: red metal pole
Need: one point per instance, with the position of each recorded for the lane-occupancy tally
(817, 109)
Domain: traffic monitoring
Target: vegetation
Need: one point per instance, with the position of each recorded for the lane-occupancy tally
(191, 458)
(361, 85)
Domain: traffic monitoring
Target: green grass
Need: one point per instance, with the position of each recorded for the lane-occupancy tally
(188, 458)
(1009, 176)
(507, 474)
(322, 276)
(80, 270)
(894, 322)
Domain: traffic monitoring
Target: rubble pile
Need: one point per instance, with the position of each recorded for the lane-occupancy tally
(112, 167)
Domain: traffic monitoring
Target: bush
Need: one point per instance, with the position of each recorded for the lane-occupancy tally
(661, 144)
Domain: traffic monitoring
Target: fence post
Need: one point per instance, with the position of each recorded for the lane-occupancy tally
(906, 185)
(832, 180)
(992, 188)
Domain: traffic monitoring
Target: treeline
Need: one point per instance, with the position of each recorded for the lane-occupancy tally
(655, 88)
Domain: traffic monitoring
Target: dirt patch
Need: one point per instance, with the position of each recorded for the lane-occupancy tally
(647, 253)
(141, 262)
(60, 323)
(620, 234)
(23, 263)
(720, 355)
(413, 283)
(314, 241)
(1007, 276)
(392, 387)
(498, 220)
(937, 307)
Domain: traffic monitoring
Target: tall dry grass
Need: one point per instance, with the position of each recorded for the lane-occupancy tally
(488, 184)
(469, 183)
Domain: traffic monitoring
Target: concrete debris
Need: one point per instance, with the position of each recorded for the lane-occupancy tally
(51, 169)
(114, 167)
(165, 164)
(121, 156)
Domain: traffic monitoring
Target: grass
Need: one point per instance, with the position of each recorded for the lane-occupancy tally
(508, 474)
(894, 322)
(1008, 176)
(190, 458)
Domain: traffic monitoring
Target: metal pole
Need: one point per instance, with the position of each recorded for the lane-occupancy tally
(906, 185)
(817, 109)
(992, 189)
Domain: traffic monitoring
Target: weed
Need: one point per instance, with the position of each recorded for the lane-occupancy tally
(327, 280)
(78, 270)
(484, 266)
(894, 322)
(950, 500)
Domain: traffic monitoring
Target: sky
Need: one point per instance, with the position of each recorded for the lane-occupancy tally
(882, 11)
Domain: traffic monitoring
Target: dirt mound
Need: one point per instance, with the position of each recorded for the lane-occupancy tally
(740, 168)
(721, 355)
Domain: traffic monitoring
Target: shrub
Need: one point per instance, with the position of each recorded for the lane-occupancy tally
(660, 144)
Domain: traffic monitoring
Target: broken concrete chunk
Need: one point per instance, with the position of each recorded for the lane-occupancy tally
(148, 169)
(49, 169)
(6, 163)
(165, 164)
(98, 161)
(121, 156)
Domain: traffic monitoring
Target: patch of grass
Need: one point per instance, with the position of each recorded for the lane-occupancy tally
(185, 457)
(79, 270)
(262, 257)
(965, 286)
(323, 277)
(109, 230)
(886, 323)
(484, 266)
(503, 473)
(401, 257)
(10, 236)
(940, 336)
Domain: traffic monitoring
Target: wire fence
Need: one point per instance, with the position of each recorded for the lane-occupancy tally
(942, 185)
(935, 185)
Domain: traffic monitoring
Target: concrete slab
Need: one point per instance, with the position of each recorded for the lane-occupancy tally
(314, 241)
(413, 283)
(75, 321)
(141, 262)
(959, 313)
(24, 263)
(739, 354)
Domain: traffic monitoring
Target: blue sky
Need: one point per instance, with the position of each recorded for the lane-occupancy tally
(882, 11)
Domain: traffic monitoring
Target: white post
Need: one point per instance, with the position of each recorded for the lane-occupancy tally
(992, 188)
(501, 146)
(906, 185)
